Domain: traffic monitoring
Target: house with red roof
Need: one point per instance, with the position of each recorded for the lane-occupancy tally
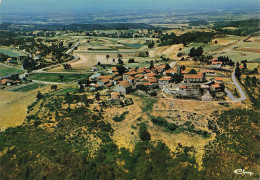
(195, 78)
(124, 87)
(165, 80)
(209, 72)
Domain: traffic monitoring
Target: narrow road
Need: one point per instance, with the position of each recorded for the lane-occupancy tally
(238, 87)
(55, 83)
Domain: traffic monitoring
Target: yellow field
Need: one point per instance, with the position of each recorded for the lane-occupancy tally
(13, 106)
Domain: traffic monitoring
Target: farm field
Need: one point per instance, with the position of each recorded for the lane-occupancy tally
(55, 77)
(11, 52)
(13, 106)
(27, 87)
(5, 71)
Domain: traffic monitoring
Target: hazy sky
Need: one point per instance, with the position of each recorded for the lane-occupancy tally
(81, 5)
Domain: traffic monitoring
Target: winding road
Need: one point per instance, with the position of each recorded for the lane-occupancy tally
(241, 92)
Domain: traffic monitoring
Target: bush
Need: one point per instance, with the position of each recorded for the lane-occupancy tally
(121, 117)
(143, 133)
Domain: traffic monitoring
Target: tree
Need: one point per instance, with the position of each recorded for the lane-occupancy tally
(151, 65)
(193, 52)
(192, 71)
(254, 80)
(179, 54)
(39, 95)
(151, 44)
(131, 60)
(107, 56)
(97, 96)
(167, 66)
(120, 61)
(61, 77)
(54, 87)
(238, 73)
(119, 56)
(143, 133)
(200, 51)
(121, 69)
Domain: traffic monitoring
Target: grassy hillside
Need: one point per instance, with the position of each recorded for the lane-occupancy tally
(62, 140)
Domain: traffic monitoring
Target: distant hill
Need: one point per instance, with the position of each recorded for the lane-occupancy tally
(78, 27)
(238, 24)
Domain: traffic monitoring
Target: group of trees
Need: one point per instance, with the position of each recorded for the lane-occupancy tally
(67, 66)
(196, 52)
(198, 37)
(226, 61)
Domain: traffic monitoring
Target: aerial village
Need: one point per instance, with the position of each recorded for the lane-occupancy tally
(163, 78)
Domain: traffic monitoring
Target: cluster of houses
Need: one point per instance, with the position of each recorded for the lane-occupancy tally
(8, 81)
(159, 77)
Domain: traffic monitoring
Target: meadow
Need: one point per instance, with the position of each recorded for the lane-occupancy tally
(5, 71)
(11, 52)
(55, 77)
(27, 87)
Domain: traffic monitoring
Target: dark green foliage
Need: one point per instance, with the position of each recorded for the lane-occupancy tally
(198, 37)
(143, 133)
(192, 71)
(121, 117)
(235, 146)
(196, 52)
(164, 123)
(245, 27)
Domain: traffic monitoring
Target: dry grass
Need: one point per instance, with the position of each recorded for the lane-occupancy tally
(13, 106)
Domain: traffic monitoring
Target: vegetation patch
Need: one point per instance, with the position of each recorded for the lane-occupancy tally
(58, 77)
(148, 104)
(28, 87)
(121, 117)
(7, 71)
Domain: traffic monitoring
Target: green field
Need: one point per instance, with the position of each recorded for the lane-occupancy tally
(55, 77)
(206, 47)
(28, 87)
(11, 53)
(136, 46)
(4, 71)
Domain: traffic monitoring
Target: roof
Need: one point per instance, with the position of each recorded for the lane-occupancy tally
(152, 80)
(125, 84)
(132, 70)
(4, 81)
(131, 73)
(169, 71)
(216, 85)
(217, 62)
(208, 71)
(115, 73)
(219, 79)
(118, 78)
(151, 74)
(141, 70)
(183, 87)
(194, 76)
(139, 75)
(130, 77)
(146, 83)
(214, 59)
(106, 77)
(114, 69)
(166, 78)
